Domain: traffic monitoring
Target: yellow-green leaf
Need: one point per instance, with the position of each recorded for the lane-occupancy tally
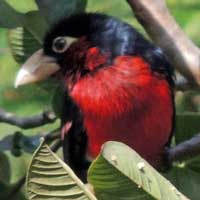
(22, 44)
(120, 173)
(50, 178)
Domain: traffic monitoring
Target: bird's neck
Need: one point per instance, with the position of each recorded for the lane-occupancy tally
(81, 59)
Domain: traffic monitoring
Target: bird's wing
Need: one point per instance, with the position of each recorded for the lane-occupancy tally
(74, 138)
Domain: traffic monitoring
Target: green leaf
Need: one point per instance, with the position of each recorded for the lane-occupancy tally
(10, 192)
(12, 18)
(22, 44)
(62, 8)
(120, 173)
(186, 180)
(28, 36)
(24, 41)
(35, 24)
(32, 26)
(187, 125)
(186, 175)
(6, 187)
(9, 18)
(23, 6)
(50, 178)
(4, 168)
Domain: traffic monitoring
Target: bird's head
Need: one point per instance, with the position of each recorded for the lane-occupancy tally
(83, 43)
(71, 48)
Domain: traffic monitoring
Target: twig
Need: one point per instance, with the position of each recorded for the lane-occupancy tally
(27, 122)
(183, 84)
(164, 31)
(56, 145)
(185, 150)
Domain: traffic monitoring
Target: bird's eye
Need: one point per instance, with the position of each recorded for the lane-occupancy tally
(60, 45)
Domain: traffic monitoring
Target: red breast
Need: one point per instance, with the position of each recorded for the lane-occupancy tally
(126, 102)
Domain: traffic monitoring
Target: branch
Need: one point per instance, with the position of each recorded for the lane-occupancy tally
(56, 145)
(185, 150)
(162, 28)
(27, 122)
(51, 135)
(183, 84)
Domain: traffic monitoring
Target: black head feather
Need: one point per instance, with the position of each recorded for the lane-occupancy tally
(110, 35)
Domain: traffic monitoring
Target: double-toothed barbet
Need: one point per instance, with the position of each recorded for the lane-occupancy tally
(119, 86)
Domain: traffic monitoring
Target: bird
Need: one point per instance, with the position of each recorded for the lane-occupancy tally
(118, 86)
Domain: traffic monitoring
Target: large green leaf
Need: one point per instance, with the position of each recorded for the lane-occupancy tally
(50, 178)
(62, 8)
(9, 17)
(35, 23)
(120, 173)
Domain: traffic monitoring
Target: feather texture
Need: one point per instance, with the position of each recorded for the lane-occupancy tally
(126, 102)
(120, 83)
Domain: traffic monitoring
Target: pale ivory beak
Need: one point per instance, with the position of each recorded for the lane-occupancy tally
(38, 67)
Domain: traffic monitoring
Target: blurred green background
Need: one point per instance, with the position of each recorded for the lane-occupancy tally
(29, 100)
